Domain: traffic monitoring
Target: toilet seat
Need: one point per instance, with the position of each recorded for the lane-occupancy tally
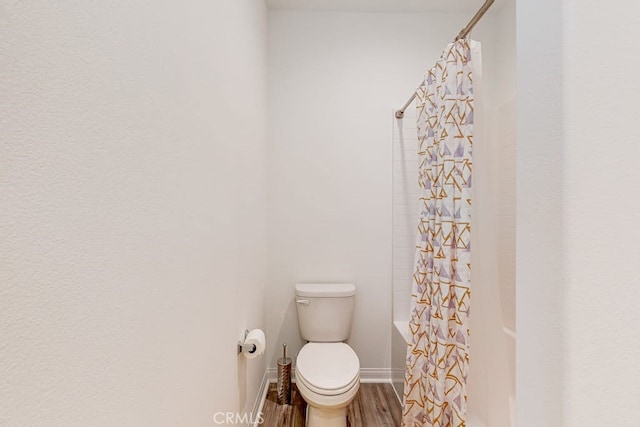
(328, 369)
(336, 401)
(324, 392)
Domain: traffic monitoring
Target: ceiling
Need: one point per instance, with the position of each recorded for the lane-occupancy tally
(378, 5)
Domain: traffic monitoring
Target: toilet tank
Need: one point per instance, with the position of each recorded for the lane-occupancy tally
(325, 310)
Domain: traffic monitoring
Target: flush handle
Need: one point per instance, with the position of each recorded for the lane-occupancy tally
(303, 301)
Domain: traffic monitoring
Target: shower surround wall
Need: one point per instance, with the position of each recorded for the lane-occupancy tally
(132, 257)
(334, 79)
(406, 193)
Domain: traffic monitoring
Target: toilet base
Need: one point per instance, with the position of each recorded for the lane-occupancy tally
(326, 417)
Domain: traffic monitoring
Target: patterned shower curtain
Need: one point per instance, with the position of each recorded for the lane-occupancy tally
(438, 355)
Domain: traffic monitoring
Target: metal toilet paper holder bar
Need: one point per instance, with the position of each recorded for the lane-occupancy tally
(248, 348)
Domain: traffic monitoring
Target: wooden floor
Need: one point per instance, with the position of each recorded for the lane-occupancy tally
(375, 405)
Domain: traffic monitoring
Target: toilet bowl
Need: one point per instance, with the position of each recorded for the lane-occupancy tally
(328, 378)
(327, 369)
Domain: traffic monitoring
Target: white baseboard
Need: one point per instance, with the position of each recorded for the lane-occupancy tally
(260, 398)
(375, 375)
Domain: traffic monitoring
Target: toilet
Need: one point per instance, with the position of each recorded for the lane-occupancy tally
(327, 369)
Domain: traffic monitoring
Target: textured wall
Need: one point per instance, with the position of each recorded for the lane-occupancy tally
(577, 181)
(133, 165)
(601, 180)
(540, 299)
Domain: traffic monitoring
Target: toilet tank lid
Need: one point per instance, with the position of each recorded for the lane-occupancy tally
(325, 290)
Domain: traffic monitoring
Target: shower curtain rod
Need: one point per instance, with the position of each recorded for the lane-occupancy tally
(462, 34)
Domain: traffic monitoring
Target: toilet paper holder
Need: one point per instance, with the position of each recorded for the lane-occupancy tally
(248, 348)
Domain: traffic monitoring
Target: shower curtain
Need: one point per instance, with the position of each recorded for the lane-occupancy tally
(438, 356)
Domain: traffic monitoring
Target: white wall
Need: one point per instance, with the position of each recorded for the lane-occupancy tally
(132, 187)
(334, 79)
(539, 274)
(578, 341)
(600, 211)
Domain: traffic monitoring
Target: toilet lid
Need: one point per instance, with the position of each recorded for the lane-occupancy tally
(327, 366)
